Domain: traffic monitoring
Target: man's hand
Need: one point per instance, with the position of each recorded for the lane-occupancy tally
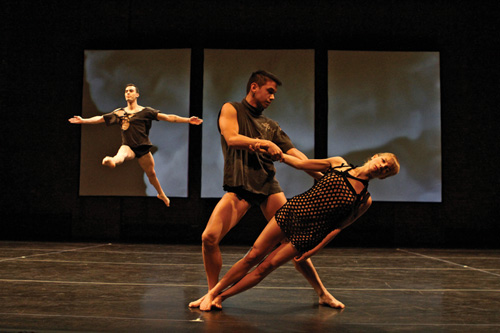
(76, 120)
(268, 148)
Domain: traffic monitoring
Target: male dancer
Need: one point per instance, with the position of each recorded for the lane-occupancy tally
(249, 177)
(135, 122)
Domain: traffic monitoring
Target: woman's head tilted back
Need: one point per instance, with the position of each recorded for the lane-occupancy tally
(383, 165)
(393, 161)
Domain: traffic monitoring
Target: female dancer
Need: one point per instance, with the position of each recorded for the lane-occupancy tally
(306, 223)
(135, 122)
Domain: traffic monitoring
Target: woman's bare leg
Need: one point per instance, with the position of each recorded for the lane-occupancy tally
(267, 240)
(278, 257)
(325, 298)
(147, 164)
(123, 154)
(306, 268)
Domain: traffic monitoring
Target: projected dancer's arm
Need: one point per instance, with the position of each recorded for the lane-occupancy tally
(172, 118)
(92, 120)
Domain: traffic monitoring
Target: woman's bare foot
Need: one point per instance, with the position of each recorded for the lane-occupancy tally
(217, 302)
(108, 161)
(328, 300)
(164, 198)
(196, 304)
(206, 304)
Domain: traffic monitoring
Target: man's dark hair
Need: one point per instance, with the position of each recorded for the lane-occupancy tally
(261, 77)
(132, 85)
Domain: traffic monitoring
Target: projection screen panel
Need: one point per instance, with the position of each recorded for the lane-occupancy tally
(162, 77)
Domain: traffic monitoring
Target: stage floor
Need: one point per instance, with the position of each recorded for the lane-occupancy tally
(91, 287)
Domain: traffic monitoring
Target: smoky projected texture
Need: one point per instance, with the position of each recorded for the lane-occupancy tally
(162, 77)
(377, 101)
(388, 101)
(226, 73)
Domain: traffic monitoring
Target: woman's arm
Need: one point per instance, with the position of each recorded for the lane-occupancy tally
(363, 207)
(320, 165)
(177, 119)
(360, 211)
(301, 156)
(92, 120)
(318, 247)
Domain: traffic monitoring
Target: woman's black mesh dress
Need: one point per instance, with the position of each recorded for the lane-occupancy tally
(308, 218)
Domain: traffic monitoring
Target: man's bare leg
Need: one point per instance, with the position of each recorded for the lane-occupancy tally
(265, 243)
(123, 154)
(147, 164)
(226, 214)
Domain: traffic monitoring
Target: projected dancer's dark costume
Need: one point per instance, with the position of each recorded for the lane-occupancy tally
(134, 128)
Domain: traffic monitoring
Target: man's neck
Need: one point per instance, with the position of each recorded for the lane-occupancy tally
(132, 106)
(251, 101)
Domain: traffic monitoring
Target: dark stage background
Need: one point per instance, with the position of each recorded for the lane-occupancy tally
(42, 59)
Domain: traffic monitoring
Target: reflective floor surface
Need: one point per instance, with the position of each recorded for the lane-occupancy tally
(91, 287)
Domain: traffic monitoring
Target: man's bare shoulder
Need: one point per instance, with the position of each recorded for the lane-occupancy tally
(228, 109)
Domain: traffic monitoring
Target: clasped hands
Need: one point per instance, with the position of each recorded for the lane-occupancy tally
(268, 148)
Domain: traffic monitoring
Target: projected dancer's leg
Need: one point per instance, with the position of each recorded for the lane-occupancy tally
(123, 154)
(147, 164)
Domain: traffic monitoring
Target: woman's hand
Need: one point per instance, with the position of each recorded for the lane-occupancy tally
(301, 258)
(195, 120)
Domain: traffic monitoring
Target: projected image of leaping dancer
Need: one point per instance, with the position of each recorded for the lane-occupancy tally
(135, 121)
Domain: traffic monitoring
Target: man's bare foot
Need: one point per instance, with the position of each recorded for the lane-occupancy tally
(196, 304)
(206, 304)
(328, 300)
(164, 198)
(108, 161)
